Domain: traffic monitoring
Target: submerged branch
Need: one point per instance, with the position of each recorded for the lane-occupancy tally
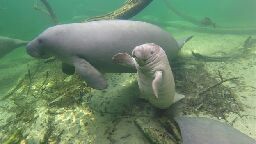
(206, 21)
(40, 9)
(210, 58)
(217, 84)
(248, 43)
(128, 10)
(48, 11)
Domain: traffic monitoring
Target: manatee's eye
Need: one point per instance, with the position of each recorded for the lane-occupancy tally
(40, 41)
(152, 52)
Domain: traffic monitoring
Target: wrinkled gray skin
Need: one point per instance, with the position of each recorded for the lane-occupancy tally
(195, 130)
(9, 44)
(155, 77)
(87, 48)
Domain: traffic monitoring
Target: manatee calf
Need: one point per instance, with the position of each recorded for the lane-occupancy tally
(9, 44)
(88, 48)
(155, 77)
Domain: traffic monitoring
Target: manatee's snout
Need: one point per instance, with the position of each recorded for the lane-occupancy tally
(145, 53)
(31, 50)
(139, 56)
(35, 50)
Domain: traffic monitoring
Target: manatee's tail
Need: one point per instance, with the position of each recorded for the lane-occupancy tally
(182, 41)
(9, 44)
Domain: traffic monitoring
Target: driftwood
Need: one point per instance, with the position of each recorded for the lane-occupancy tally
(49, 11)
(248, 43)
(206, 21)
(217, 84)
(128, 10)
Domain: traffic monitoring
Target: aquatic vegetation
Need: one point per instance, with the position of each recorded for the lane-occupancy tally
(46, 102)
(203, 92)
(15, 137)
(52, 101)
(41, 87)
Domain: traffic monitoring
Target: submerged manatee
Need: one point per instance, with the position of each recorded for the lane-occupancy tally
(190, 130)
(9, 44)
(155, 76)
(196, 130)
(88, 48)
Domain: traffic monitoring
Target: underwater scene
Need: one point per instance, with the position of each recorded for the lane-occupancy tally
(128, 72)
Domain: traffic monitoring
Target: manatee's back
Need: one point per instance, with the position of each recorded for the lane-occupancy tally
(98, 41)
(111, 36)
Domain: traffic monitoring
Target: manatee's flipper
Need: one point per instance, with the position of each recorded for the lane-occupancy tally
(178, 97)
(157, 82)
(68, 69)
(124, 59)
(182, 41)
(90, 74)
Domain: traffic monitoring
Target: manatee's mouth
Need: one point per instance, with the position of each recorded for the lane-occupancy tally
(140, 62)
(36, 52)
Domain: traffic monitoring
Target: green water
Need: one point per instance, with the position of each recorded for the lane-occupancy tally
(21, 20)
(34, 99)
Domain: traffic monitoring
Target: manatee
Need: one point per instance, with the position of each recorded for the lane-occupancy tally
(198, 130)
(155, 78)
(88, 48)
(9, 44)
(190, 130)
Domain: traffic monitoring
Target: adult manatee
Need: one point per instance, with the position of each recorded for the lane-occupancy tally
(88, 48)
